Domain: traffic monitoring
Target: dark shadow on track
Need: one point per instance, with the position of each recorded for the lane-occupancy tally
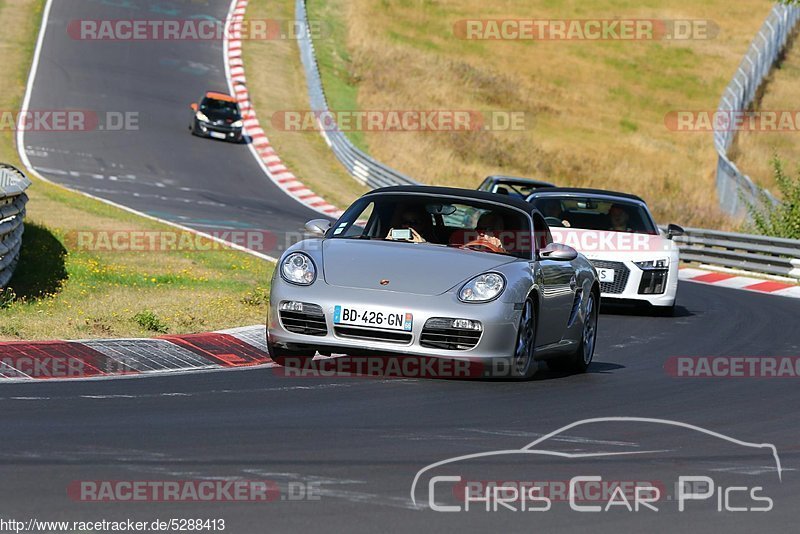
(601, 368)
(643, 311)
(41, 270)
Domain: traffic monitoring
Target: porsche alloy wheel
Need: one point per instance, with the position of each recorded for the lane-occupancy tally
(523, 364)
(589, 332)
(579, 361)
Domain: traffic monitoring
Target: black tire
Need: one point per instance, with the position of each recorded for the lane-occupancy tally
(284, 357)
(579, 361)
(523, 365)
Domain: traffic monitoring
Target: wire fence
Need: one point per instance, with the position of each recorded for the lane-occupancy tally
(735, 190)
(13, 199)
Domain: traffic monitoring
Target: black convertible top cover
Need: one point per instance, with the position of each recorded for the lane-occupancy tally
(457, 192)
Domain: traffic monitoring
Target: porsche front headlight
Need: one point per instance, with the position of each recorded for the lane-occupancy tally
(238, 124)
(298, 268)
(201, 116)
(482, 288)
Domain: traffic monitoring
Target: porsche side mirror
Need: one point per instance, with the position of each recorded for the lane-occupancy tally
(673, 230)
(194, 106)
(558, 252)
(318, 226)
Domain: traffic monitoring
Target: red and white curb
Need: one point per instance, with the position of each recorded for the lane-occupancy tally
(260, 146)
(737, 281)
(108, 358)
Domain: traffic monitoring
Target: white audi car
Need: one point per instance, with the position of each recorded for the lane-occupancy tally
(635, 261)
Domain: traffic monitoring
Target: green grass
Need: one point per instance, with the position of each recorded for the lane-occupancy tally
(277, 83)
(59, 290)
(335, 63)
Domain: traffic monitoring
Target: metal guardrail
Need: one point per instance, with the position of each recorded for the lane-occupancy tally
(732, 185)
(361, 166)
(755, 253)
(13, 184)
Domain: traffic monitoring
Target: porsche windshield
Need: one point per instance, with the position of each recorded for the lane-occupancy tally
(590, 213)
(444, 221)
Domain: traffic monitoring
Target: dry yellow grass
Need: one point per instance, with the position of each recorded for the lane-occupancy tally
(277, 83)
(751, 149)
(597, 108)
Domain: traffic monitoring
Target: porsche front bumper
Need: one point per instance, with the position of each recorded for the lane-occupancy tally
(499, 322)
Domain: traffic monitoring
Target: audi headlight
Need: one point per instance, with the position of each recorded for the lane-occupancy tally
(482, 288)
(298, 268)
(651, 265)
(201, 116)
(238, 124)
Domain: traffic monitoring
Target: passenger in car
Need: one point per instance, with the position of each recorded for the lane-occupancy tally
(619, 218)
(413, 218)
(552, 209)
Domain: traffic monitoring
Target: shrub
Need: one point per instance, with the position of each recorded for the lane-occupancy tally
(781, 219)
(150, 322)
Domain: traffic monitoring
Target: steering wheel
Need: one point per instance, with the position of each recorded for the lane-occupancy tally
(483, 245)
(554, 221)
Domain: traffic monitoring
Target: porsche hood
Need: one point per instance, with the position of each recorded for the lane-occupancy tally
(416, 268)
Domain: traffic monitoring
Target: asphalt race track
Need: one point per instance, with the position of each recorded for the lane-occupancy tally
(159, 168)
(357, 443)
(360, 441)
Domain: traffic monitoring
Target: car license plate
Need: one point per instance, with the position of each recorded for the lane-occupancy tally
(605, 275)
(217, 135)
(387, 319)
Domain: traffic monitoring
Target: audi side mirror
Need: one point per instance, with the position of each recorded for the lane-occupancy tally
(673, 230)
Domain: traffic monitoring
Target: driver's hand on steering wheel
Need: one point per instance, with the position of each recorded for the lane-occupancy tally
(493, 240)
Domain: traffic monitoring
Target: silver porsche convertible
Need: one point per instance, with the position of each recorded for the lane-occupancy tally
(437, 273)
